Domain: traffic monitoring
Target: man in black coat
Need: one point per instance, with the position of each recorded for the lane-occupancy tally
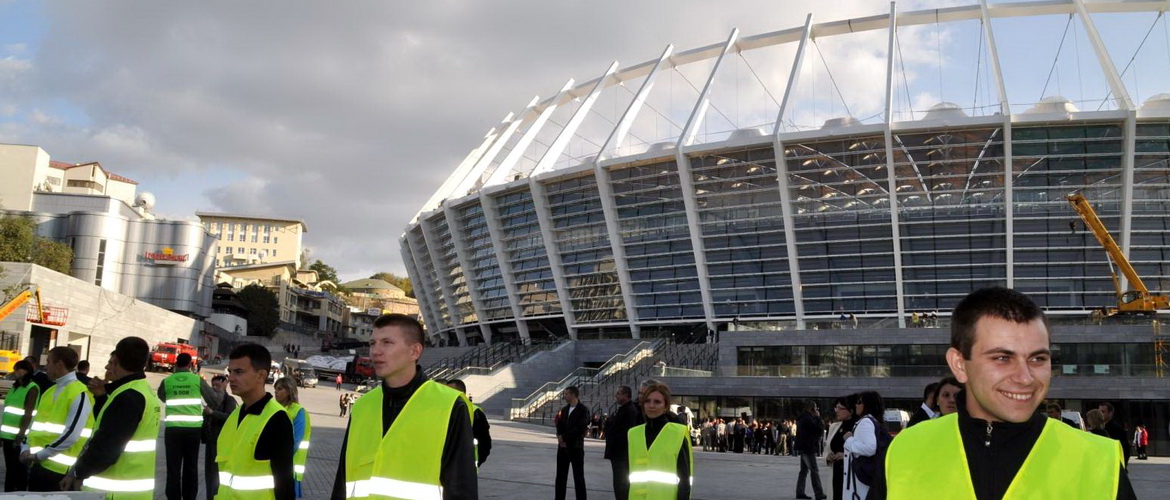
(617, 442)
(809, 429)
(572, 423)
(926, 410)
(1114, 429)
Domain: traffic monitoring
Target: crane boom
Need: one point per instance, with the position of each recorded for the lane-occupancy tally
(1138, 299)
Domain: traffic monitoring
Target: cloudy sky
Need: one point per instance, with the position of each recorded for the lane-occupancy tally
(350, 114)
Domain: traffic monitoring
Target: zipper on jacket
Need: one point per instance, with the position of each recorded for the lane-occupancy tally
(987, 440)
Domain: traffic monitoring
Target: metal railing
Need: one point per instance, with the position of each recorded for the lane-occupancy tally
(894, 371)
(522, 408)
(485, 359)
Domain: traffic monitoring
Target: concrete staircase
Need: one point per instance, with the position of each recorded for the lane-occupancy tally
(494, 392)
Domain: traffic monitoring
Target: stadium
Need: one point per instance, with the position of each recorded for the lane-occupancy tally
(818, 198)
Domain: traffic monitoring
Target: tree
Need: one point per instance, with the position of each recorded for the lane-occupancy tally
(19, 243)
(325, 272)
(396, 280)
(263, 310)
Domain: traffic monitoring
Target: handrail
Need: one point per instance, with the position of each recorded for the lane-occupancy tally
(523, 407)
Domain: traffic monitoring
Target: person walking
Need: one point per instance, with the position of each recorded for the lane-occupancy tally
(660, 455)
(338, 380)
(119, 460)
(214, 418)
(61, 425)
(480, 428)
(183, 393)
(809, 429)
(572, 422)
(285, 392)
(19, 406)
(997, 444)
(617, 440)
(254, 451)
(408, 431)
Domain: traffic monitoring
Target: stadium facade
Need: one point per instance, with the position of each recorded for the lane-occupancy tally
(790, 229)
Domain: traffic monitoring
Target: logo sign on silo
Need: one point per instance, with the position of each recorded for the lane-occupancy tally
(166, 257)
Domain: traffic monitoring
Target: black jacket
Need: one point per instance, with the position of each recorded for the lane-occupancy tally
(457, 471)
(481, 429)
(809, 429)
(213, 420)
(273, 447)
(1116, 432)
(617, 431)
(572, 427)
(919, 415)
(993, 465)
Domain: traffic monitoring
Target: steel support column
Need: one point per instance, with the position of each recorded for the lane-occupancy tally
(455, 227)
(544, 217)
(496, 231)
(895, 222)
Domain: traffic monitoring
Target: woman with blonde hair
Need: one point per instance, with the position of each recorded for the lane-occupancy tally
(1095, 421)
(285, 390)
(661, 460)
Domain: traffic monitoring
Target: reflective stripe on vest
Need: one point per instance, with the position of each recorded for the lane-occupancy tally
(1064, 463)
(49, 424)
(184, 400)
(131, 477)
(301, 454)
(241, 475)
(405, 462)
(14, 411)
(654, 470)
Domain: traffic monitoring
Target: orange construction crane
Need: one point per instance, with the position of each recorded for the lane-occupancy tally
(20, 299)
(1136, 300)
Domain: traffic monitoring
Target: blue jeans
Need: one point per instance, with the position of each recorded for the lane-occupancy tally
(808, 466)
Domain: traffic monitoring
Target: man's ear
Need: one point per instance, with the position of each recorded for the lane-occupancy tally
(958, 364)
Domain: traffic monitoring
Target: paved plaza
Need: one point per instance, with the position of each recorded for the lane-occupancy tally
(522, 464)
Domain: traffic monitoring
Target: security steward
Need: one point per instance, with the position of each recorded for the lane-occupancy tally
(61, 426)
(119, 460)
(410, 437)
(19, 405)
(660, 455)
(183, 393)
(480, 428)
(997, 445)
(254, 450)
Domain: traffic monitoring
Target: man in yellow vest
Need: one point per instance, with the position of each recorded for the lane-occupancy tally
(184, 394)
(120, 457)
(409, 437)
(61, 426)
(254, 451)
(997, 445)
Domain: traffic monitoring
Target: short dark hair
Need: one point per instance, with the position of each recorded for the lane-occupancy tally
(930, 390)
(65, 355)
(626, 391)
(1107, 405)
(810, 405)
(132, 353)
(183, 361)
(458, 384)
(411, 326)
(28, 372)
(83, 365)
(1052, 406)
(259, 356)
(874, 406)
(996, 302)
(572, 389)
(950, 380)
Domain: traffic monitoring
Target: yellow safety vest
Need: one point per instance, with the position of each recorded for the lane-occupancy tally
(654, 470)
(241, 476)
(49, 424)
(132, 476)
(301, 454)
(405, 462)
(14, 411)
(929, 461)
(184, 400)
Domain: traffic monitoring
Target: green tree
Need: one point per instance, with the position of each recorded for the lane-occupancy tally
(19, 243)
(402, 282)
(325, 272)
(263, 310)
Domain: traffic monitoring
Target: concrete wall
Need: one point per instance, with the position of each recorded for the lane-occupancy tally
(98, 318)
(23, 168)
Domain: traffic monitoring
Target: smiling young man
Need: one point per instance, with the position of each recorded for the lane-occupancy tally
(410, 437)
(997, 445)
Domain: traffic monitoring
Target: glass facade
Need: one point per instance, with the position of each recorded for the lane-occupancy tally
(1150, 234)
(452, 271)
(525, 248)
(657, 241)
(430, 278)
(578, 221)
(485, 271)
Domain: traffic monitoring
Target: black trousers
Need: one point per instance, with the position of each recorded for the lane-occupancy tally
(42, 479)
(182, 462)
(15, 473)
(565, 458)
(808, 466)
(621, 478)
(210, 468)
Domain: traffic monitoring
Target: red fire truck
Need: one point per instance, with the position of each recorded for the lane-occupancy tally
(164, 355)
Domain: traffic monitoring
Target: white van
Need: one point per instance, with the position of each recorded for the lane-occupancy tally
(895, 421)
